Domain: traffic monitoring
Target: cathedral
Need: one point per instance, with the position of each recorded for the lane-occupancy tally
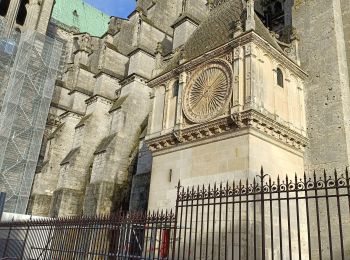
(200, 91)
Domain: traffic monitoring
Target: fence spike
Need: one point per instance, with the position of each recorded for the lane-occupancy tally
(335, 174)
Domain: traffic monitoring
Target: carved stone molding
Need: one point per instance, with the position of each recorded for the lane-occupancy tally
(225, 49)
(96, 98)
(250, 119)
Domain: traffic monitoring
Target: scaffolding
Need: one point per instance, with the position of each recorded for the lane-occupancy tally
(29, 65)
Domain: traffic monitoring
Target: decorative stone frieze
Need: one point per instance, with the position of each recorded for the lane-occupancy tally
(249, 119)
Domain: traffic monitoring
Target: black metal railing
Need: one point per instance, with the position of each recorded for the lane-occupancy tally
(2, 203)
(293, 218)
(119, 236)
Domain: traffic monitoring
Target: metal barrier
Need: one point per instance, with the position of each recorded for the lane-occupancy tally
(298, 218)
(2, 203)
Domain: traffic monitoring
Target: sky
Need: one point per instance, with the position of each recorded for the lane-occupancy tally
(120, 8)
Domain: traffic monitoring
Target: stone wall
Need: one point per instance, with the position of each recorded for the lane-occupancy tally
(238, 157)
(345, 9)
(327, 87)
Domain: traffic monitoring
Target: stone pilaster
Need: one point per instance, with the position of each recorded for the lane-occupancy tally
(182, 84)
(12, 14)
(45, 15)
(238, 76)
(33, 14)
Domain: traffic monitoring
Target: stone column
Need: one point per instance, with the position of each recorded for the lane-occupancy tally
(33, 12)
(166, 104)
(45, 15)
(238, 77)
(182, 84)
(12, 14)
(248, 99)
(150, 117)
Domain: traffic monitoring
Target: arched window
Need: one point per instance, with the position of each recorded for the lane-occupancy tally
(280, 78)
(22, 12)
(176, 89)
(4, 7)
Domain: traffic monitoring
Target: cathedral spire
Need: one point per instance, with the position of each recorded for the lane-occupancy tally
(250, 21)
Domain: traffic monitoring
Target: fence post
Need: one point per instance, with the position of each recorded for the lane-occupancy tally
(262, 176)
(8, 238)
(25, 238)
(49, 239)
(175, 223)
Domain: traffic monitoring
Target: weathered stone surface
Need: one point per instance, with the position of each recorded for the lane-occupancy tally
(103, 99)
(327, 96)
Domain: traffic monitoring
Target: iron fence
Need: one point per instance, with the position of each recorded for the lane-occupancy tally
(293, 218)
(290, 218)
(2, 203)
(119, 236)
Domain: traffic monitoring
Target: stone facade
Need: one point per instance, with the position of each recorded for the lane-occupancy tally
(233, 111)
(123, 117)
(100, 109)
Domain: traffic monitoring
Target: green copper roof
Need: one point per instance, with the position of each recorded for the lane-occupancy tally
(80, 15)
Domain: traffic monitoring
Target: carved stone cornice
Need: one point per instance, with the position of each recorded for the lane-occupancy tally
(277, 130)
(133, 77)
(249, 119)
(98, 98)
(243, 39)
(191, 134)
(71, 114)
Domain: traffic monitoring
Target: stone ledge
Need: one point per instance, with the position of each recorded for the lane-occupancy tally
(220, 128)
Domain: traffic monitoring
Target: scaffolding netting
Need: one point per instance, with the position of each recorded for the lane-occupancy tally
(29, 65)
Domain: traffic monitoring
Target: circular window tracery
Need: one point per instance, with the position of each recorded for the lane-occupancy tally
(207, 93)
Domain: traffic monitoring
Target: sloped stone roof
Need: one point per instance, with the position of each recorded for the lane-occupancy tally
(102, 147)
(54, 133)
(70, 156)
(118, 103)
(83, 121)
(217, 30)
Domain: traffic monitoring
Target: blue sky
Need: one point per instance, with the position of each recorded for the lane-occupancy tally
(120, 8)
